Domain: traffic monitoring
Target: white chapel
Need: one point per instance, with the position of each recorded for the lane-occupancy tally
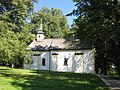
(60, 54)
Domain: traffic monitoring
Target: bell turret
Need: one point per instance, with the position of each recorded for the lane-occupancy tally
(40, 34)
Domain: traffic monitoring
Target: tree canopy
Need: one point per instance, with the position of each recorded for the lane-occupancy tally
(14, 30)
(98, 24)
(54, 22)
(17, 19)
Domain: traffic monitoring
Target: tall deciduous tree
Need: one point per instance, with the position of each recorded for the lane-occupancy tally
(54, 22)
(99, 25)
(14, 30)
(16, 12)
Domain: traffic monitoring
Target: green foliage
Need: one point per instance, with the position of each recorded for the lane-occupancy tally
(98, 24)
(14, 36)
(73, 31)
(13, 47)
(16, 12)
(19, 79)
(54, 22)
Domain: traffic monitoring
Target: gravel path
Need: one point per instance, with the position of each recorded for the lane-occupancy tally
(113, 84)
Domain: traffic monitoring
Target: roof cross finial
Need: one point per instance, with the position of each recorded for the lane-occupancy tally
(40, 33)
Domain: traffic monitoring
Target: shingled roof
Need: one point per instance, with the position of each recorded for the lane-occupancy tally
(57, 44)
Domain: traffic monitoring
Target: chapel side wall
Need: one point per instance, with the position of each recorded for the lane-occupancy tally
(56, 62)
(59, 60)
(68, 55)
(88, 61)
(53, 60)
(34, 65)
(78, 61)
(37, 61)
(44, 54)
(83, 63)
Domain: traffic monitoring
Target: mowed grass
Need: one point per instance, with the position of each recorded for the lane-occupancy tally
(21, 79)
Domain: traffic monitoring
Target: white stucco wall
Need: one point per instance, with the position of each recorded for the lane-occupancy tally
(37, 61)
(82, 63)
(46, 56)
(88, 61)
(60, 61)
(53, 62)
(78, 63)
(35, 64)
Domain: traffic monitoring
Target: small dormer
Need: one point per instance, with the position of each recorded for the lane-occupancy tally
(40, 34)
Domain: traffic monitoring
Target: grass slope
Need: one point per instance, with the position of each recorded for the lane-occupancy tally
(20, 79)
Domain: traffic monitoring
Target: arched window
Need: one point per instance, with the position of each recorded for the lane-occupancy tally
(43, 61)
(65, 61)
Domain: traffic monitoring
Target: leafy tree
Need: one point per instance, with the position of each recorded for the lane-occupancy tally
(14, 29)
(99, 25)
(16, 12)
(13, 46)
(54, 22)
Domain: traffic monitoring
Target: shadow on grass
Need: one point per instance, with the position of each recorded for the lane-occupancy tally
(47, 80)
(4, 69)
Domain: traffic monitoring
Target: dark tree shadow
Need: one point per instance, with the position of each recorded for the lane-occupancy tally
(51, 80)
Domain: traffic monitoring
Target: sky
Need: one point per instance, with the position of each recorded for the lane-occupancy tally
(65, 5)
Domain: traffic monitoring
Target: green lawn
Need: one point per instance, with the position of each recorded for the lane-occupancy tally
(20, 79)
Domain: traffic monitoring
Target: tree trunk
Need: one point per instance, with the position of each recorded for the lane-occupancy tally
(12, 65)
(105, 68)
(119, 73)
(115, 2)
